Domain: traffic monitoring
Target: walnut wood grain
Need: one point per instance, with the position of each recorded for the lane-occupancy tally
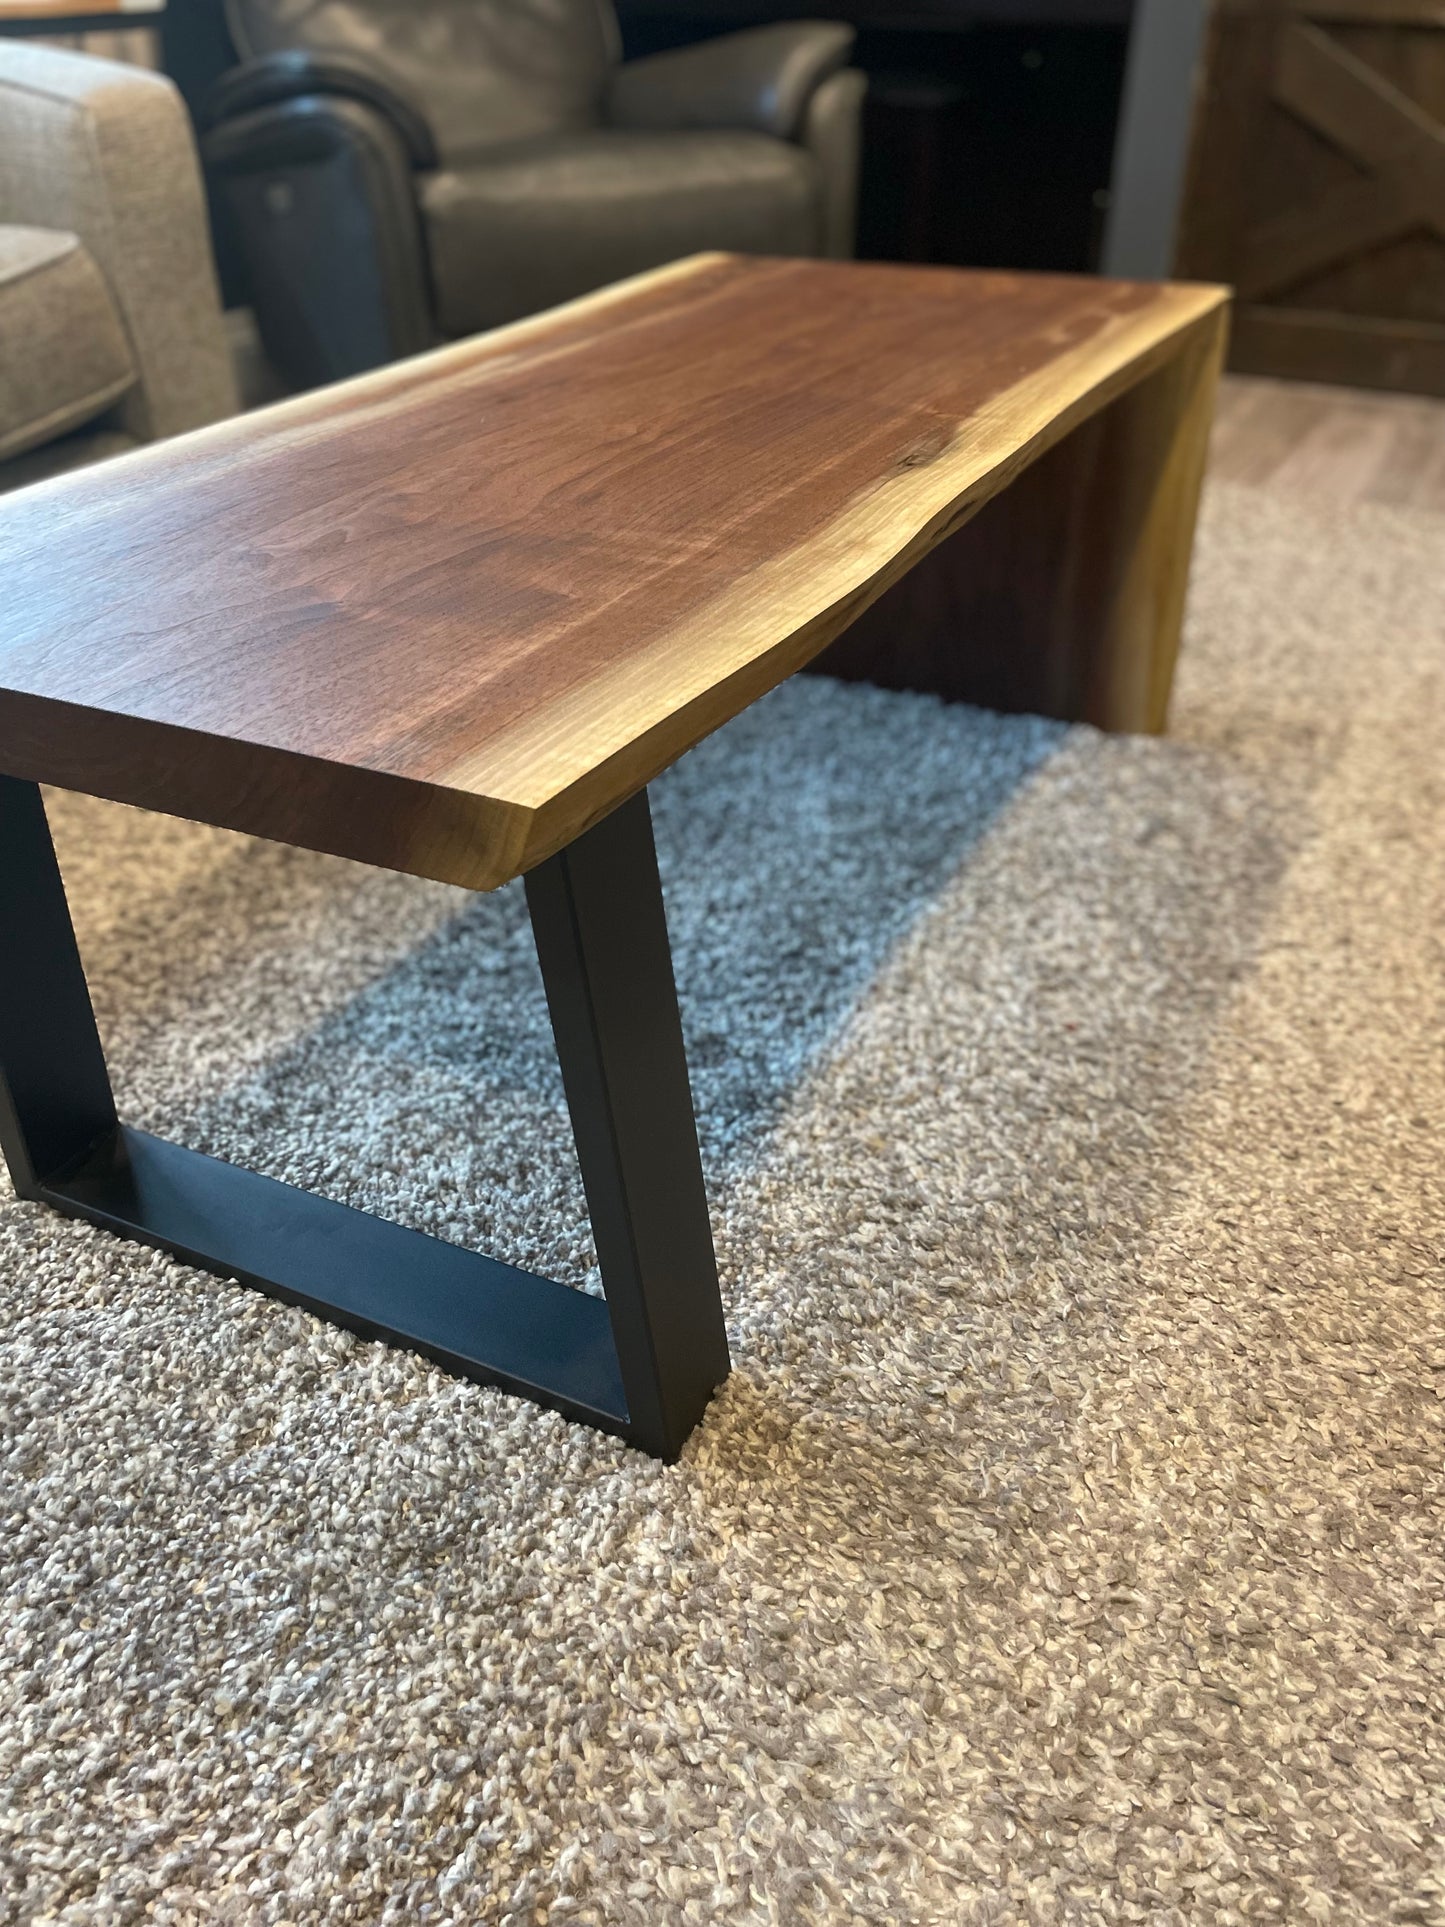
(1385, 13)
(444, 617)
(1065, 594)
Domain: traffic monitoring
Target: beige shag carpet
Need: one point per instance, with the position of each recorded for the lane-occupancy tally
(1069, 1544)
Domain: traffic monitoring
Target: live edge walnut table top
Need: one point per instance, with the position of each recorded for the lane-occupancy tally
(444, 617)
(452, 618)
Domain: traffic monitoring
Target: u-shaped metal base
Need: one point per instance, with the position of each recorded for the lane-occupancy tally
(642, 1364)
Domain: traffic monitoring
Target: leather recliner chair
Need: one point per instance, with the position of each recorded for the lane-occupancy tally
(387, 174)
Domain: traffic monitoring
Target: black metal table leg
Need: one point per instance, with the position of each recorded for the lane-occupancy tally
(642, 1365)
(597, 914)
(55, 1100)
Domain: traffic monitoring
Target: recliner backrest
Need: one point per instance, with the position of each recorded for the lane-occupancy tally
(483, 72)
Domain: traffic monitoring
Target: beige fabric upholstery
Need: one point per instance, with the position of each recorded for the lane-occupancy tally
(104, 152)
(484, 73)
(65, 357)
(79, 450)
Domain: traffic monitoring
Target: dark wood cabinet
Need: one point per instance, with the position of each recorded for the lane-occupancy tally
(1317, 187)
(989, 127)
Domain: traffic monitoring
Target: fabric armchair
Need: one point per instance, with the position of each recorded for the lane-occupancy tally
(110, 322)
(393, 173)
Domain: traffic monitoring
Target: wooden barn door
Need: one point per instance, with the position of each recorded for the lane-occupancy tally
(1317, 187)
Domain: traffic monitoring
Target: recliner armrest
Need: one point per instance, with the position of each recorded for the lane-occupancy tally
(762, 79)
(317, 197)
(297, 74)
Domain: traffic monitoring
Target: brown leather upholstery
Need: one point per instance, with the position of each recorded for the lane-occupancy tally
(543, 222)
(398, 171)
(483, 72)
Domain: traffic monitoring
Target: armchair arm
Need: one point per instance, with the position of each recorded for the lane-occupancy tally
(316, 195)
(105, 152)
(763, 78)
(296, 75)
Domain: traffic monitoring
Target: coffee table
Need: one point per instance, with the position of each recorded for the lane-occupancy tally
(452, 617)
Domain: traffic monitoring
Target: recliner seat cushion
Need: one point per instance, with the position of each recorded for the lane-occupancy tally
(542, 223)
(64, 357)
(482, 72)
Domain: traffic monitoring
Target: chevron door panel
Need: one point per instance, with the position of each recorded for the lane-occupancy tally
(1318, 187)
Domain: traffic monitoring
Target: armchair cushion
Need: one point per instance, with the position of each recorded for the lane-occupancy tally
(104, 152)
(79, 450)
(63, 353)
(542, 223)
(761, 79)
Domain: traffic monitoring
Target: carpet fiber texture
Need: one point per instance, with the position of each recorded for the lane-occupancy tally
(1069, 1543)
